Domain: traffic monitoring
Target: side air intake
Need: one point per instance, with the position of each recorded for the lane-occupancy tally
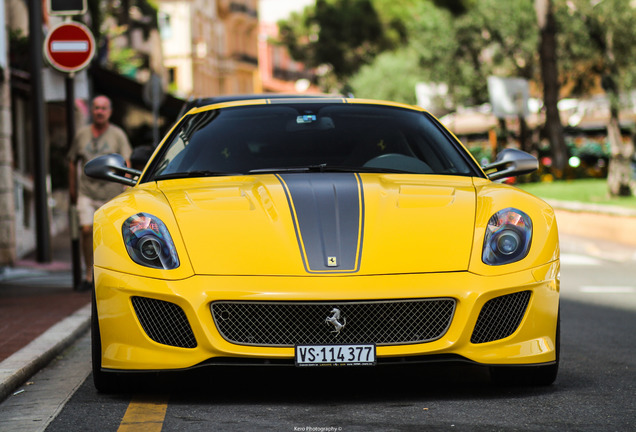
(164, 322)
(500, 317)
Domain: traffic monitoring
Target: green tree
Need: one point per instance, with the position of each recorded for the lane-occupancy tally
(462, 43)
(371, 82)
(600, 46)
(463, 49)
(495, 38)
(342, 35)
(456, 7)
(394, 74)
(111, 25)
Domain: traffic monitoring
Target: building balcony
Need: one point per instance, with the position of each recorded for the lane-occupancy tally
(242, 8)
(228, 7)
(288, 75)
(246, 58)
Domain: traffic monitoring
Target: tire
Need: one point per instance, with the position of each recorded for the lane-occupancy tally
(529, 375)
(104, 382)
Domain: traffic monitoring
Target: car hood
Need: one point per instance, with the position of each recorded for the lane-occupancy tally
(324, 223)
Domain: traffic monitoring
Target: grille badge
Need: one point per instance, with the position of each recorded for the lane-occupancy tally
(334, 320)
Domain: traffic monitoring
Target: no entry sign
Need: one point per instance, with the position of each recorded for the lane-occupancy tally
(69, 47)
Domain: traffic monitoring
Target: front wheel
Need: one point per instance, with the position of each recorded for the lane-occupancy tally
(104, 382)
(524, 375)
(529, 375)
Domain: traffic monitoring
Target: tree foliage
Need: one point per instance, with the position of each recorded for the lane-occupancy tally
(112, 24)
(343, 35)
(378, 81)
(501, 37)
(424, 58)
(456, 7)
(597, 39)
(462, 50)
(602, 54)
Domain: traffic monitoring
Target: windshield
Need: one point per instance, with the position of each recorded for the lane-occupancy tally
(260, 139)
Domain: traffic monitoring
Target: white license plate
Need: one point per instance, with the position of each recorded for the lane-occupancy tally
(335, 355)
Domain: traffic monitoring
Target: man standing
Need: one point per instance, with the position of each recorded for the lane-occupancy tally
(93, 140)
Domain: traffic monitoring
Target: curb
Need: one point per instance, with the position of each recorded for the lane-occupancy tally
(17, 368)
(606, 223)
(578, 207)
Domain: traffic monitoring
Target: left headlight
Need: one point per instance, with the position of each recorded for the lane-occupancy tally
(507, 238)
(148, 242)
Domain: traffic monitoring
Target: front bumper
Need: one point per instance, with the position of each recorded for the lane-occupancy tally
(126, 346)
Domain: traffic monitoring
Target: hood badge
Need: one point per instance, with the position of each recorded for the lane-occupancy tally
(332, 261)
(334, 320)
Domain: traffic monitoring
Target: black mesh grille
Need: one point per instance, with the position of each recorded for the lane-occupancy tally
(164, 322)
(291, 323)
(500, 317)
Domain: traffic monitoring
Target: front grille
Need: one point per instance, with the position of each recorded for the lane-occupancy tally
(500, 317)
(291, 323)
(164, 322)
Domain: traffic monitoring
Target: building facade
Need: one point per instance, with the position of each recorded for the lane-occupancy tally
(278, 71)
(7, 201)
(210, 46)
(138, 36)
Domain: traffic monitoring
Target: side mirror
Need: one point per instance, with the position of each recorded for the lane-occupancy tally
(111, 167)
(510, 163)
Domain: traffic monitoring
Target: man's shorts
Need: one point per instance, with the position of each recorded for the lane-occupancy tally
(86, 208)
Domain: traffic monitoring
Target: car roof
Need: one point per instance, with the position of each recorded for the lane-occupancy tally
(200, 102)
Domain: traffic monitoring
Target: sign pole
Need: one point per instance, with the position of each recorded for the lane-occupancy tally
(40, 166)
(69, 47)
(73, 216)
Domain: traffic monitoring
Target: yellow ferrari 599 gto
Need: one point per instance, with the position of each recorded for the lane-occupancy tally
(321, 231)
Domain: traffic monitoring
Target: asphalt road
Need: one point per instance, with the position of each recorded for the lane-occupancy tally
(594, 390)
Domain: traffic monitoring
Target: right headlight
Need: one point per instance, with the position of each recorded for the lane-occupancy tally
(507, 238)
(148, 242)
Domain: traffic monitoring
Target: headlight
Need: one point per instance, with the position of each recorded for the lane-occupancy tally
(507, 237)
(148, 242)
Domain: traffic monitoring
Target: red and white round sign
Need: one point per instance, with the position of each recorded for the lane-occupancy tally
(69, 47)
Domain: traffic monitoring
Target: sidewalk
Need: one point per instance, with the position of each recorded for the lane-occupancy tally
(40, 314)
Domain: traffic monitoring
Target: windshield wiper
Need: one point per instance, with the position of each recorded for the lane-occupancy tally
(325, 168)
(305, 168)
(190, 174)
(364, 169)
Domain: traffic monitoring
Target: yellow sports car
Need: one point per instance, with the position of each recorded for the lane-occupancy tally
(322, 232)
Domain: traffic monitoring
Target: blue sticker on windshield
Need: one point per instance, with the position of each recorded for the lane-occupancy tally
(307, 118)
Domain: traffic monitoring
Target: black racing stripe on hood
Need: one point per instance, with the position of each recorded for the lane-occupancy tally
(328, 214)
